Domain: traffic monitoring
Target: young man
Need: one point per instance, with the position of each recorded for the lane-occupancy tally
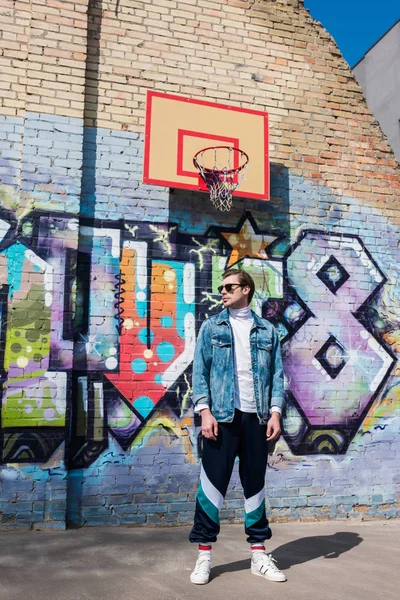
(238, 390)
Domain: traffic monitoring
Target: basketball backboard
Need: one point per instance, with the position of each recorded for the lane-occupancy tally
(177, 127)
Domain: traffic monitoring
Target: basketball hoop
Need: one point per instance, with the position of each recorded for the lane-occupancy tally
(222, 169)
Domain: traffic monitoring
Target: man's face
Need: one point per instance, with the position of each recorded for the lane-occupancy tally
(238, 297)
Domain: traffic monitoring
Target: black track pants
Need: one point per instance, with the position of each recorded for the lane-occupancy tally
(245, 438)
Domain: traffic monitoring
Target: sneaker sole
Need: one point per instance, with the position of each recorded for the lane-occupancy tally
(199, 582)
(266, 577)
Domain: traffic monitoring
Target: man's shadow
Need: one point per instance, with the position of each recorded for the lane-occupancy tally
(300, 551)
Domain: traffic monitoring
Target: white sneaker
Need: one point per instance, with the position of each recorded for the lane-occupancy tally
(263, 564)
(201, 573)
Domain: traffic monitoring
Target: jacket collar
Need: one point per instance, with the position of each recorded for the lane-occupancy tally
(223, 317)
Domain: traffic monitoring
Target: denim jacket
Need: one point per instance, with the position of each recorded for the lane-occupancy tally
(213, 367)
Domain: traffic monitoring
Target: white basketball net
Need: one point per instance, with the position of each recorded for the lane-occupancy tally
(222, 168)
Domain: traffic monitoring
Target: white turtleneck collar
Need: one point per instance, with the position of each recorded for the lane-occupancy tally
(241, 313)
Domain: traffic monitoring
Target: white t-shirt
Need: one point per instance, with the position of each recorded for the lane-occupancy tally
(241, 321)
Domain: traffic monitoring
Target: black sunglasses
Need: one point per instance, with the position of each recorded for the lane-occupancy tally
(229, 287)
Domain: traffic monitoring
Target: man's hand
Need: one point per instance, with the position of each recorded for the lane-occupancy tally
(274, 427)
(209, 425)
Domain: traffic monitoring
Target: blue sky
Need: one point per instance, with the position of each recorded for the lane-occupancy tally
(355, 24)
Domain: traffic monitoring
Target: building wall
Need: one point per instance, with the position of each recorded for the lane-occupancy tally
(105, 280)
(378, 74)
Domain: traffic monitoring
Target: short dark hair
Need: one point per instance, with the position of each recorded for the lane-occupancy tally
(244, 279)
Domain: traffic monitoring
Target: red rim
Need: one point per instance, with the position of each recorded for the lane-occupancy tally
(228, 171)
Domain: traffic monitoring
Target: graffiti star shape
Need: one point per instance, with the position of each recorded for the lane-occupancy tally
(90, 344)
(246, 243)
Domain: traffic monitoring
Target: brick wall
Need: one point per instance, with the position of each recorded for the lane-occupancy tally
(97, 426)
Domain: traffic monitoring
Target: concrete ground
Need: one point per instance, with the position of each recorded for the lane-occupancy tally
(323, 561)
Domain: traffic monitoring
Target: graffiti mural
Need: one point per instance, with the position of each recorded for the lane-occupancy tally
(99, 323)
(36, 354)
(336, 365)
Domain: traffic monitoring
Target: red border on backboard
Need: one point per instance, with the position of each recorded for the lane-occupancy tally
(174, 184)
(182, 133)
